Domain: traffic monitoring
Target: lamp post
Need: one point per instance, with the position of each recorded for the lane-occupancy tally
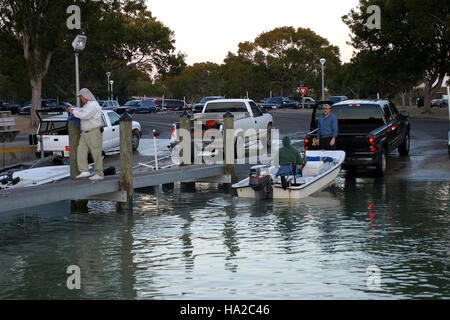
(108, 74)
(74, 133)
(322, 62)
(112, 90)
(78, 45)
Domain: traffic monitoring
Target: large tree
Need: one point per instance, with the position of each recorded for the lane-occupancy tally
(411, 45)
(292, 56)
(122, 35)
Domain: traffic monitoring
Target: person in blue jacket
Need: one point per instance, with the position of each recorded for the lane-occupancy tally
(328, 129)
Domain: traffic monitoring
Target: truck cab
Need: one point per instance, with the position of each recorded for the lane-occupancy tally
(54, 132)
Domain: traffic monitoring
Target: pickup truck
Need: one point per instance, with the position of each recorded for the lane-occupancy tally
(368, 131)
(53, 127)
(247, 115)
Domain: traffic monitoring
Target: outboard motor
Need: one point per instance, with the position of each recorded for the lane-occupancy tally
(261, 181)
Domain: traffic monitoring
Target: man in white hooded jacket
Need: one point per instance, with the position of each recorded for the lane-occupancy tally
(90, 135)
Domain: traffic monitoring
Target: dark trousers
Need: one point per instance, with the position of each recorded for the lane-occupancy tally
(325, 144)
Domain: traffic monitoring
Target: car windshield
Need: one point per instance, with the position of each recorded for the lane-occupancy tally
(226, 107)
(274, 100)
(204, 100)
(354, 112)
(132, 103)
(335, 99)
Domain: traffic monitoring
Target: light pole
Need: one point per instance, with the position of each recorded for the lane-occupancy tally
(112, 89)
(322, 62)
(108, 74)
(78, 45)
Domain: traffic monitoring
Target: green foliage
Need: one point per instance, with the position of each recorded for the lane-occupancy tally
(123, 38)
(412, 45)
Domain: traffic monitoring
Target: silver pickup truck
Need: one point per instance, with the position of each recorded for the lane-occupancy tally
(53, 128)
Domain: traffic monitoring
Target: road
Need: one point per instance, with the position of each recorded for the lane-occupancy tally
(428, 159)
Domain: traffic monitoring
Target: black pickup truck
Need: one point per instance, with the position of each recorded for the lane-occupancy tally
(368, 131)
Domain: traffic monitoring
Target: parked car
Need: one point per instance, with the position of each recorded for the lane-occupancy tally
(440, 103)
(109, 104)
(137, 106)
(13, 107)
(199, 106)
(309, 102)
(26, 109)
(171, 104)
(336, 99)
(278, 103)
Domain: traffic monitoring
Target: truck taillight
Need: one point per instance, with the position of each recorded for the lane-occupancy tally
(210, 123)
(172, 131)
(372, 147)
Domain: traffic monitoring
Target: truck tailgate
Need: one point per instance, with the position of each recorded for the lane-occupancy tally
(352, 142)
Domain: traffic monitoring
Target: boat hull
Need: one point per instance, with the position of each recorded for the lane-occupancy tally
(310, 184)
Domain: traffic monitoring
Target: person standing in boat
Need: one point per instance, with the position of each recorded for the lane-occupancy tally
(328, 129)
(289, 156)
(90, 136)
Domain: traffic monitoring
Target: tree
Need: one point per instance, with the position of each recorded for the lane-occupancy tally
(32, 30)
(196, 81)
(240, 75)
(291, 56)
(122, 36)
(411, 45)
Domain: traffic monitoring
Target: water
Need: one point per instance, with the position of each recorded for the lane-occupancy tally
(210, 245)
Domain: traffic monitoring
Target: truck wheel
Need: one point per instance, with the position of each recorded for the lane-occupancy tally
(381, 165)
(135, 140)
(403, 149)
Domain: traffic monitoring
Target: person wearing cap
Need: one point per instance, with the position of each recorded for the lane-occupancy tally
(90, 135)
(328, 129)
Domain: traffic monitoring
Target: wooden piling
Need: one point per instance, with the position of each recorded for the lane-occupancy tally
(74, 139)
(186, 157)
(228, 141)
(126, 170)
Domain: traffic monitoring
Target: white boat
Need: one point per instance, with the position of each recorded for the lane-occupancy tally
(33, 177)
(320, 170)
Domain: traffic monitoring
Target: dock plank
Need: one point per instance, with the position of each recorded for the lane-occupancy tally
(20, 198)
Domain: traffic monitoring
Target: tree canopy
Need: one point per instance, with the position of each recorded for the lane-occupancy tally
(123, 38)
(410, 47)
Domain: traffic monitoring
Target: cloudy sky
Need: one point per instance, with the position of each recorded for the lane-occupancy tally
(206, 30)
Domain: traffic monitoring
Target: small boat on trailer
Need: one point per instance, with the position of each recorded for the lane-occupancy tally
(33, 177)
(320, 170)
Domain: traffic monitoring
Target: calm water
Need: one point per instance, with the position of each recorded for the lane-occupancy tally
(210, 245)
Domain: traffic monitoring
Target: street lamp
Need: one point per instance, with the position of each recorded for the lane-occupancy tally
(112, 91)
(322, 62)
(78, 45)
(108, 74)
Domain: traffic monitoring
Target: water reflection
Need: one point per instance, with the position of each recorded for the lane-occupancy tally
(209, 245)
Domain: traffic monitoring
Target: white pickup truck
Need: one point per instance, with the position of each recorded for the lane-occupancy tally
(247, 115)
(53, 127)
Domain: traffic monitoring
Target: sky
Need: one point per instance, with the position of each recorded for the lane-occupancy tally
(206, 30)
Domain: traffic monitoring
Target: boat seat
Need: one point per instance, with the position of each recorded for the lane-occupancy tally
(313, 168)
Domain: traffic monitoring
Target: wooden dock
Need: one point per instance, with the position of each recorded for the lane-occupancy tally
(107, 189)
(119, 188)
